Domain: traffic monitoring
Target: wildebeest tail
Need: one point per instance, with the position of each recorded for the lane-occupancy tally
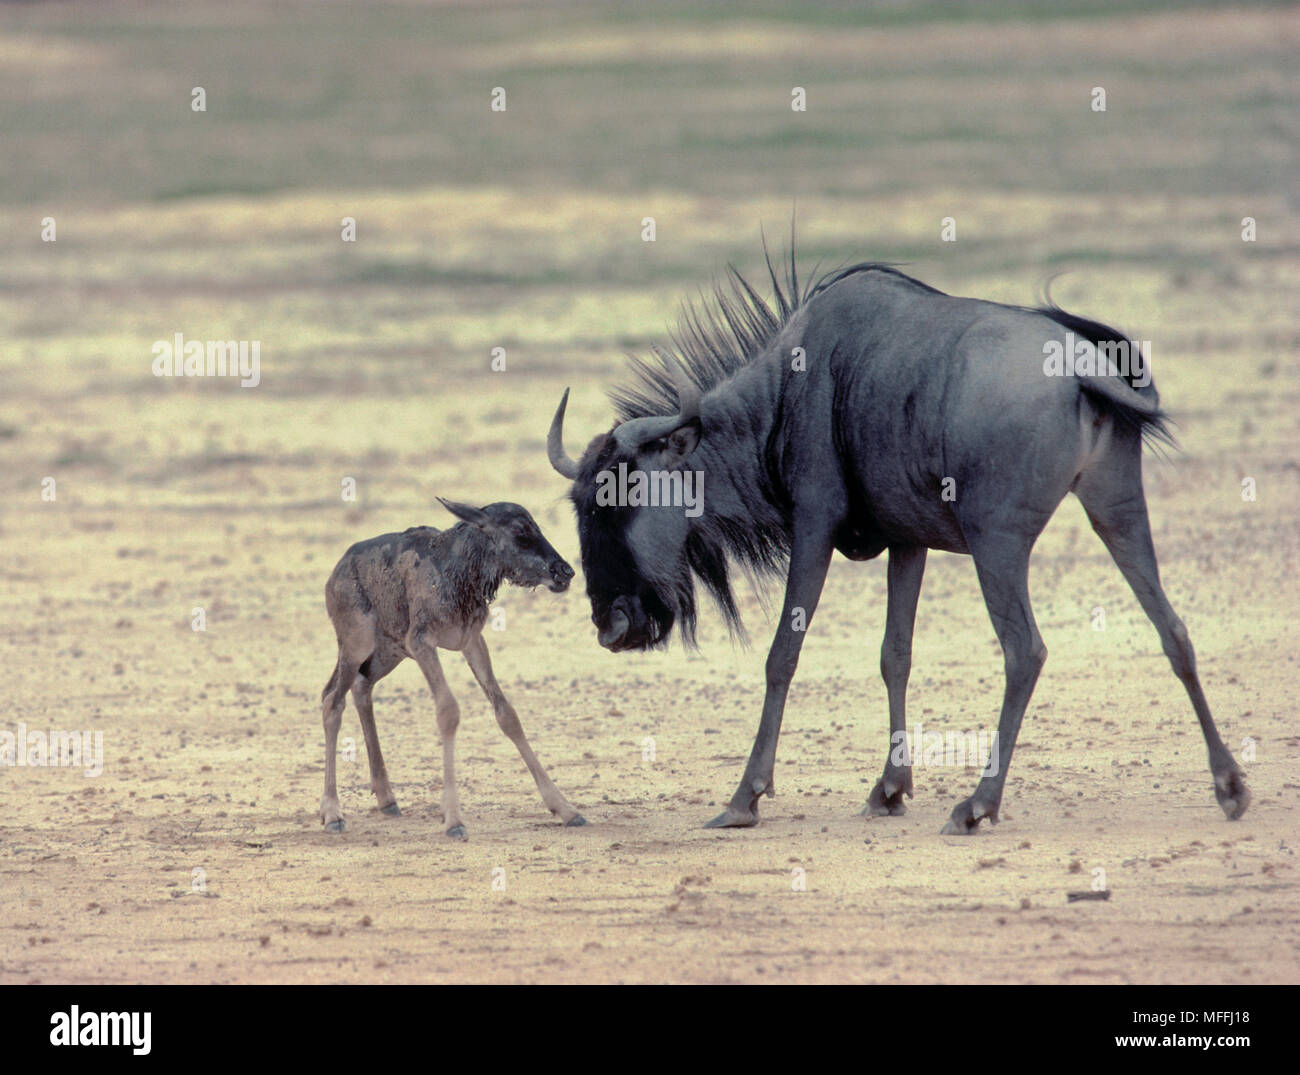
(1119, 395)
(1127, 405)
(333, 682)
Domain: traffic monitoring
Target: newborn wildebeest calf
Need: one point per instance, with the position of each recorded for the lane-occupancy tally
(411, 594)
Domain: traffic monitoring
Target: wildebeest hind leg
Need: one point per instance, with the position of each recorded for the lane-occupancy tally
(1116, 507)
(906, 569)
(332, 700)
(1002, 563)
(379, 664)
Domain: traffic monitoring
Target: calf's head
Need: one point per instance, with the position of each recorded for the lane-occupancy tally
(524, 555)
(633, 526)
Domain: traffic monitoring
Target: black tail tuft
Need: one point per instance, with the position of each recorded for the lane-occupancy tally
(1138, 408)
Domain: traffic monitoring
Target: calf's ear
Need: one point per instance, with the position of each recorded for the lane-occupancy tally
(475, 516)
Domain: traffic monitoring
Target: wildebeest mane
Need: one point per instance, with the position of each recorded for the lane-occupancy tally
(724, 330)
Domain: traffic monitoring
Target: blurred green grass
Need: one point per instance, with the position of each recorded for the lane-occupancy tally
(94, 98)
(522, 229)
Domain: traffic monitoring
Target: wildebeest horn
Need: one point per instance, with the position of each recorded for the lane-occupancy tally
(631, 435)
(688, 396)
(563, 465)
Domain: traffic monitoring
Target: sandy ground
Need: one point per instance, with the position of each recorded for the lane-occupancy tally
(197, 856)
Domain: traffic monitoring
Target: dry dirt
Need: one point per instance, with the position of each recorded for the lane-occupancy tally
(197, 856)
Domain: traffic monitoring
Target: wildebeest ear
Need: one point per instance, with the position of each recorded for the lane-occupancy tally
(679, 444)
(476, 516)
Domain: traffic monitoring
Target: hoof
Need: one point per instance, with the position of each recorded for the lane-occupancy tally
(734, 819)
(392, 810)
(1233, 795)
(575, 822)
(885, 803)
(335, 826)
(885, 809)
(966, 818)
(457, 832)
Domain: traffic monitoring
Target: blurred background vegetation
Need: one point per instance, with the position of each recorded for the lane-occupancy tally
(522, 229)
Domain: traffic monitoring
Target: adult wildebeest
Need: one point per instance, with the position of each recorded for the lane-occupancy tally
(872, 412)
(411, 594)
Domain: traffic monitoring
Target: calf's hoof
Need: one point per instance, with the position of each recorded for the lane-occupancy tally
(575, 822)
(335, 826)
(392, 810)
(457, 832)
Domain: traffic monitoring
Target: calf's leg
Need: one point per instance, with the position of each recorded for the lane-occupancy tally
(332, 699)
(380, 663)
(476, 654)
(448, 710)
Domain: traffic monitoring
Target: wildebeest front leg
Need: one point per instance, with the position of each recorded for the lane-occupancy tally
(810, 556)
(1002, 563)
(906, 569)
(476, 654)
